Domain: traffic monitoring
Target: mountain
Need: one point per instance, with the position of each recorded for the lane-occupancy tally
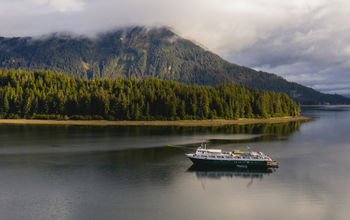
(141, 52)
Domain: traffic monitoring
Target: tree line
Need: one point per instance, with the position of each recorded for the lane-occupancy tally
(44, 94)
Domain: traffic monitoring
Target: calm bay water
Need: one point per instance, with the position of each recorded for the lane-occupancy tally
(73, 172)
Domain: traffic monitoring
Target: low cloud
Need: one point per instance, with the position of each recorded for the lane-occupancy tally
(307, 41)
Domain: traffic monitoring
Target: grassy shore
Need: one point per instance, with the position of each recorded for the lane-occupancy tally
(155, 123)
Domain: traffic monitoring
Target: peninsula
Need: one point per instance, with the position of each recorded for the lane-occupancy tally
(46, 95)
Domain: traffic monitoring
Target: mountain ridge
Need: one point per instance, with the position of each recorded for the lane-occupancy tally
(140, 52)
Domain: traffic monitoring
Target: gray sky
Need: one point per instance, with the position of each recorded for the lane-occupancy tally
(306, 41)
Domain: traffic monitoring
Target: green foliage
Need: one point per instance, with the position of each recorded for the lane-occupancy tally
(137, 52)
(47, 95)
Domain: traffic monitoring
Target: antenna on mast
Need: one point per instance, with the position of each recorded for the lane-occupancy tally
(204, 145)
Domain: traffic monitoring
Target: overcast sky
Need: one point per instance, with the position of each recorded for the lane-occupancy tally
(307, 41)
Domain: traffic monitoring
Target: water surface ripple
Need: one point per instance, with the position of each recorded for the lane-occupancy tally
(75, 172)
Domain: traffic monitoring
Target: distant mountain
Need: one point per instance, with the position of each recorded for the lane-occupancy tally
(142, 52)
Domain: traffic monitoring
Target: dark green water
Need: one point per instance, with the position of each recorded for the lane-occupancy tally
(72, 172)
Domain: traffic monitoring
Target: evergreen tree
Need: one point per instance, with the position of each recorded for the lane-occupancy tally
(45, 94)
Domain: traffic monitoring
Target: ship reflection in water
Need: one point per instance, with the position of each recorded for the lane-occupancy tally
(219, 173)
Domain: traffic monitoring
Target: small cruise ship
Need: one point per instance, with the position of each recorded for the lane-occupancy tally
(239, 159)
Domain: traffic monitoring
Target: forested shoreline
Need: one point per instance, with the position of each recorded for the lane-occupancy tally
(142, 51)
(44, 94)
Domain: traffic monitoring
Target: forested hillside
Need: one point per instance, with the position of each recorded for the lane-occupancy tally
(141, 52)
(49, 95)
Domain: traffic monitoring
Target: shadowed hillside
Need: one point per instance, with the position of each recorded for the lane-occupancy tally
(144, 52)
